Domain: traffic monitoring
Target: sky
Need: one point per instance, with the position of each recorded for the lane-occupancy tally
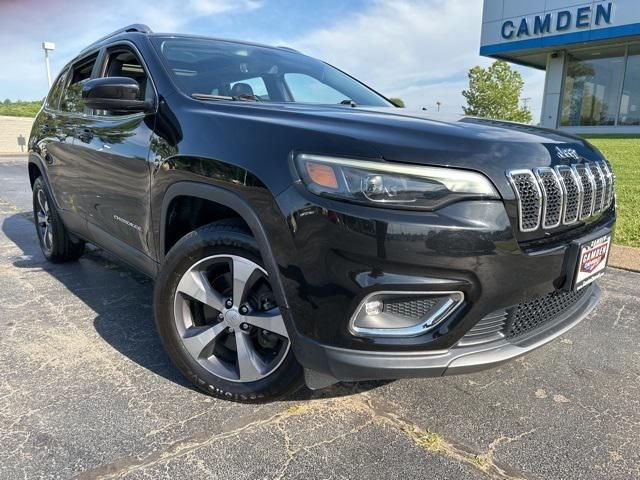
(418, 50)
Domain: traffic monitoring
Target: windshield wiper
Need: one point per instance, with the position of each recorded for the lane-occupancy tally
(239, 98)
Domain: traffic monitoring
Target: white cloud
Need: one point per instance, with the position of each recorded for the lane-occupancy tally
(214, 7)
(78, 23)
(418, 50)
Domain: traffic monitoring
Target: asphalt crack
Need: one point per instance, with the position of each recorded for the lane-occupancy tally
(372, 411)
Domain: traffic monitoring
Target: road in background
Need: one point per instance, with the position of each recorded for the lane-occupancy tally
(86, 390)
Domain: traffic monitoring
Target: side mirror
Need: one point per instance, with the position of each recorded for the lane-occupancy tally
(114, 93)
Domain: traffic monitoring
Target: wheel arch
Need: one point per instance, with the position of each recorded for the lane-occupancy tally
(234, 202)
(36, 168)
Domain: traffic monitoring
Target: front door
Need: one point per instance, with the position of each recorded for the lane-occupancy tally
(114, 150)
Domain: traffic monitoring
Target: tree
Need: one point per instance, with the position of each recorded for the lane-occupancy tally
(398, 102)
(494, 92)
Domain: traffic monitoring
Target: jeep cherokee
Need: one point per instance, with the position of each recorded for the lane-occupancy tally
(300, 227)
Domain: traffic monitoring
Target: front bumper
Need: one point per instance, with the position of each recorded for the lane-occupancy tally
(338, 364)
(340, 253)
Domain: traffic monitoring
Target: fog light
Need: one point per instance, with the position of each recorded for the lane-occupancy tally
(402, 314)
(374, 307)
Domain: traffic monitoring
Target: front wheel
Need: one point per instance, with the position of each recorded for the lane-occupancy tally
(217, 317)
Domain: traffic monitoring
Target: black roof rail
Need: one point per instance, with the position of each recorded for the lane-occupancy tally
(135, 27)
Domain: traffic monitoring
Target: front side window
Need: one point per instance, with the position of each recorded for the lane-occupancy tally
(592, 87)
(215, 67)
(630, 106)
(72, 98)
(122, 62)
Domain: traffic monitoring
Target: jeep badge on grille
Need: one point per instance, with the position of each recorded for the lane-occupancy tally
(567, 153)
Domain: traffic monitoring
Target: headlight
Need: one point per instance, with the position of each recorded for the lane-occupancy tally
(391, 185)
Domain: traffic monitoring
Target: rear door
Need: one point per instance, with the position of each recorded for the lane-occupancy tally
(63, 170)
(113, 148)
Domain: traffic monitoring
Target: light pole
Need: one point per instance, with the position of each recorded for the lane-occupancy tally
(48, 47)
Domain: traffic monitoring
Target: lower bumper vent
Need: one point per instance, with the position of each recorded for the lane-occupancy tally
(528, 316)
(523, 318)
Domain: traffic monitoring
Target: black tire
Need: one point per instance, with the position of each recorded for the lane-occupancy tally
(55, 240)
(217, 239)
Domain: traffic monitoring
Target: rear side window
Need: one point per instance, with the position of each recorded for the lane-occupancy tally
(53, 100)
(72, 97)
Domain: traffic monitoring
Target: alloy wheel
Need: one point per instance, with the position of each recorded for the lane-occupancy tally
(227, 318)
(43, 218)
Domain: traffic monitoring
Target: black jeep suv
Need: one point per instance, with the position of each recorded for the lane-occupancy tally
(300, 227)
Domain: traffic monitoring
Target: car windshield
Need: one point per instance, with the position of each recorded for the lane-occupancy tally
(216, 69)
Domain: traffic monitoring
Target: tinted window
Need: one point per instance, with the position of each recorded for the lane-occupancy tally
(307, 89)
(124, 63)
(207, 66)
(80, 74)
(53, 100)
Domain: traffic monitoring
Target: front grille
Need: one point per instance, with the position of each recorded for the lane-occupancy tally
(411, 307)
(528, 316)
(549, 197)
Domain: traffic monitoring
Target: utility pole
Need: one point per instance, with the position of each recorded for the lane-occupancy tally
(48, 47)
(439, 104)
(525, 102)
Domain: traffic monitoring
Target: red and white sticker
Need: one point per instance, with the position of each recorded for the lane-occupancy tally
(592, 261)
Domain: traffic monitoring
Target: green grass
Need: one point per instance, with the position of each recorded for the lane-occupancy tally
(20, 109)
(624, 154)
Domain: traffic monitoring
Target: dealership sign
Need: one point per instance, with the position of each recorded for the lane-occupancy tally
(557, 22)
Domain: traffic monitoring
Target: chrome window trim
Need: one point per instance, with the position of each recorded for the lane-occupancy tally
(537, 172)
(510, 175)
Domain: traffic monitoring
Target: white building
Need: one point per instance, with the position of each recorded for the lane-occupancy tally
(589, 49)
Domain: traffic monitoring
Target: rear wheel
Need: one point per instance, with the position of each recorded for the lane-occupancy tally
(55, 241)
(218, 318)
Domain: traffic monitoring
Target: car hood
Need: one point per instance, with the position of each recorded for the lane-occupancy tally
(411, 136)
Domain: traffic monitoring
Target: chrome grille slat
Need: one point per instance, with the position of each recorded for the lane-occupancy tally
(549, 197)
(588, 186)
(609, 183)
(598, 193)
(529, 198)
(572, 188)
(552, 197)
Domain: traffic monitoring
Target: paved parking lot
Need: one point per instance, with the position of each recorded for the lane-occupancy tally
(86, 390)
